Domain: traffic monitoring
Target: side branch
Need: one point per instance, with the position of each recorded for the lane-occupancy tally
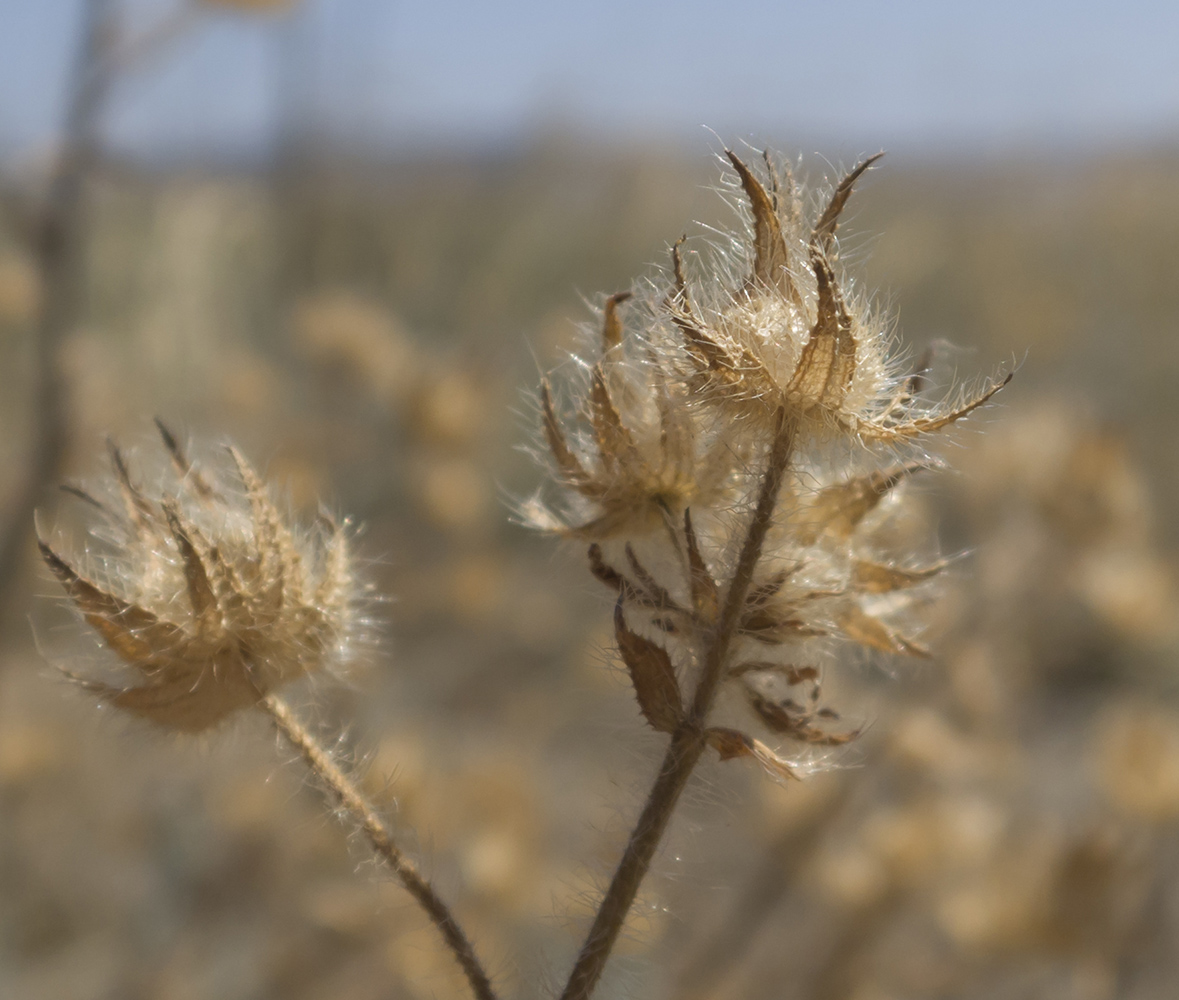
(688, 741)
(349, 796)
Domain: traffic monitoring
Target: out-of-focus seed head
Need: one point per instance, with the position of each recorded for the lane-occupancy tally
(208, 595)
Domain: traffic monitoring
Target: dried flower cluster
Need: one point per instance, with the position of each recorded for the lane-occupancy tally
(209, 596)
(724, 457)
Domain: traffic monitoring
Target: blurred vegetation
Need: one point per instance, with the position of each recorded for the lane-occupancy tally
(1006, 828)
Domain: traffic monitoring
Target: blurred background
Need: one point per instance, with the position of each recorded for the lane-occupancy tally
(347, 235)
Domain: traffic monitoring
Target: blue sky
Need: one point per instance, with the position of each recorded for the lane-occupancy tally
(974, 77)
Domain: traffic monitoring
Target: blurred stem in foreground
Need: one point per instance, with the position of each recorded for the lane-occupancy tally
(61, 263)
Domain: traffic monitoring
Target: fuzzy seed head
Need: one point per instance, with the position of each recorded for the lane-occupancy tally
(209, 598)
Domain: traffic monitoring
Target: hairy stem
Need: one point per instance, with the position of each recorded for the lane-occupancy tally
(350, 797)
(688, 741)
(716, 658)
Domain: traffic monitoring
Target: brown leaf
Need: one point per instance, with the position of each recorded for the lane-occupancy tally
(861, 627)
(709, 354)
(705, 595)
(877, 578)
(615, 442)
(139, 509)
(760, 595)
(652, 674)
(730, 743)
(828, 361)
(567, 462)
(184, 467)
(770, 263)
(796, 724)
(134, 633)
(679, 298)
(837, 510)
(927, 425)
(776, 625)
(649, 591)
(603, 571)
(277, 557)
(81, 494)
(829, 220)
(200, 592)
(611, 323)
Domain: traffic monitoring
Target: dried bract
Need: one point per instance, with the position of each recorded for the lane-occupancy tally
(209, 597)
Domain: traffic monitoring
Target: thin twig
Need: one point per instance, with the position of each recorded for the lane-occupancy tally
(61, 263)
(687, 743)
(349, 796)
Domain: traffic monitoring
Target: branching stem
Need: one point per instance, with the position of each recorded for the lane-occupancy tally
(350, 797)
(688, 741)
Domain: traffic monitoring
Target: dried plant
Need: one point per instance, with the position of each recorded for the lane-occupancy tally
(213, 601)
(731, 451)
(725, 455)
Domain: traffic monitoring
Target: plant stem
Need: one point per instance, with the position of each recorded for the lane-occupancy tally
(689, 740)
(61, 266)
(350, 797)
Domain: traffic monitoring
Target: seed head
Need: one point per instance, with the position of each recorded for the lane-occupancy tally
(762, 367)
(209, 597)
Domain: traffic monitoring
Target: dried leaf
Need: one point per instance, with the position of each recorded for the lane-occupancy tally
(184, 467)
(705, 595)
(611, 323)
(774, 626)
(615, 442)
(770, 262)
(877, 578)
(571, 469)
(829, 220)
(651, 674)
(760, 595)
(828, 361)
(604, 572)
(926, 425)
(134, 633)
(139, 509)
(679, 298)
(861, 627)
(277, 557)
(81, 494)
(200, 592)
(247, 624)
(649, 591)
(730, 743)
(709, 354)
(795, 722)
(837, 510)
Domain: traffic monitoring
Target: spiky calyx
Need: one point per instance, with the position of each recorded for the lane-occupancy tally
(209, 597)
